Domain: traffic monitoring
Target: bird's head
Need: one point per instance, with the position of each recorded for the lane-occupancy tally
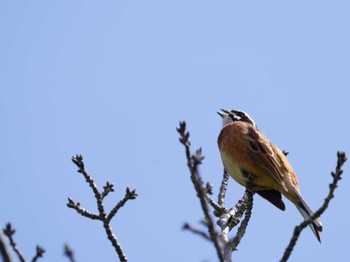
(235, 115)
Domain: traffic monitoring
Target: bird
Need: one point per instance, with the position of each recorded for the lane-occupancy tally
(253, 161)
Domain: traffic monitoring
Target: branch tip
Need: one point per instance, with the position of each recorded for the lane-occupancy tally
(131, 194)
(68, 252)
(8, 230)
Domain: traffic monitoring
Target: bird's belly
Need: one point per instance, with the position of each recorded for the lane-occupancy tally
(234, 170)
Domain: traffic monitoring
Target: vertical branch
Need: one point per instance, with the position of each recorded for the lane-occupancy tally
(193, 161)
(223, 188)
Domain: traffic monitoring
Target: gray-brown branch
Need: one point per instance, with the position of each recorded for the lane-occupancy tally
(192, 162)
(99, 196)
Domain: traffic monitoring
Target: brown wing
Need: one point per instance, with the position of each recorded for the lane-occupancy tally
(264, 154)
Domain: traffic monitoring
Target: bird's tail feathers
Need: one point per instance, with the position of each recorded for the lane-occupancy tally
(305, 211)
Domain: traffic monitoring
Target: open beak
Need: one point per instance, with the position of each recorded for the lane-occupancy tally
(220, 114)
(224, 112)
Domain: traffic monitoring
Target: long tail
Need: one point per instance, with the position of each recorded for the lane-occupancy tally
(305, 211)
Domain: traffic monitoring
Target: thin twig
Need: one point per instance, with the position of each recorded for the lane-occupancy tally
(298, 229)
(39, 253)
(192, 162)
(129, 194)
(82, 211)
(78, 161)
(187, 226)
(107, 189)
(68, 252)
(223, 188)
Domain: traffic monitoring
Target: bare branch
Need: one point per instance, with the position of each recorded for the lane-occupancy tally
(192, 162)
(129, 195)
(223, 188)
(82, 211)
(39, 253)
(78, 161)
(187, 226)
(109, 187)
(298, 229)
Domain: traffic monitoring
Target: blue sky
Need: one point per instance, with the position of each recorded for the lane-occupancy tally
(112, 79)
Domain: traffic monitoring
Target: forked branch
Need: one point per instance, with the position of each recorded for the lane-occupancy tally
(101, 215)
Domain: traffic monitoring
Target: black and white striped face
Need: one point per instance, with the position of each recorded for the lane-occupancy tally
(235, 115)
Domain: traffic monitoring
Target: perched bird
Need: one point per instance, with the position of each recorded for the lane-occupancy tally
(251, 159)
